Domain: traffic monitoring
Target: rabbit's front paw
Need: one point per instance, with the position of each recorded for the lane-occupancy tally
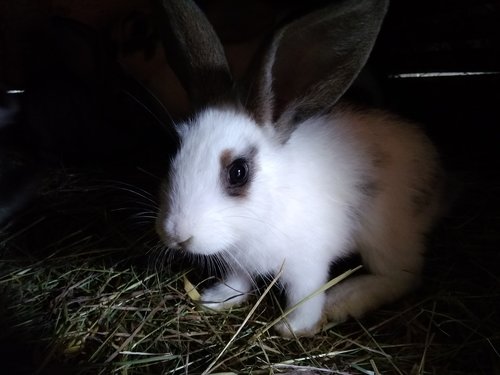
(224, 295)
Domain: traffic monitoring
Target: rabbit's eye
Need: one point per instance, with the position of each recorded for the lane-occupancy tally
(237, 172)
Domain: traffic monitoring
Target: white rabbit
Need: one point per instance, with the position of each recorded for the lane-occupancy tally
(284, 181)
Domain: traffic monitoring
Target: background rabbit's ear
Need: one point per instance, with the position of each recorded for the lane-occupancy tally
(193, 50)
(312, 61)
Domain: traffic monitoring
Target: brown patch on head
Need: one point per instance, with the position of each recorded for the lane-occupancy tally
(226, 157)
(237, 172)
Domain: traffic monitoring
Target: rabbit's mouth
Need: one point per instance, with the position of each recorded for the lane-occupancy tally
(179, 245)
(197, 246)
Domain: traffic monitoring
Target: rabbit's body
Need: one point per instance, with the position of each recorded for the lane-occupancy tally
(285, 180)
(342, 182)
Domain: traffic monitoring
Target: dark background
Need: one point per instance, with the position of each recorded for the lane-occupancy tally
(84, 111)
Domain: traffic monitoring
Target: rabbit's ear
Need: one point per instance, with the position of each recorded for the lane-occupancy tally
(313, 60)
(193, 50)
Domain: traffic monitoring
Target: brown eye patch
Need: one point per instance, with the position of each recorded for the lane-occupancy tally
(237, 171)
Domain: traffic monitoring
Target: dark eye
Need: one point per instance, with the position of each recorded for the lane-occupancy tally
(237, 172)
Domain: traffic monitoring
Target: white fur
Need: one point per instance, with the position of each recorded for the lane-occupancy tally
(305, 208)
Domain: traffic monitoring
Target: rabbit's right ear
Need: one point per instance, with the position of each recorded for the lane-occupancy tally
(194, 50)
(312, 61)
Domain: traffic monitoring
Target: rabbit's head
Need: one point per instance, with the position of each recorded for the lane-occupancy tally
(232, 165)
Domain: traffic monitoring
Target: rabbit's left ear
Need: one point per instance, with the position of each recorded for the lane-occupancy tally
(194, 51)
(312, 61)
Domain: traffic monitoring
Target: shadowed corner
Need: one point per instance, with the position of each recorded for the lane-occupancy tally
(22, 332)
